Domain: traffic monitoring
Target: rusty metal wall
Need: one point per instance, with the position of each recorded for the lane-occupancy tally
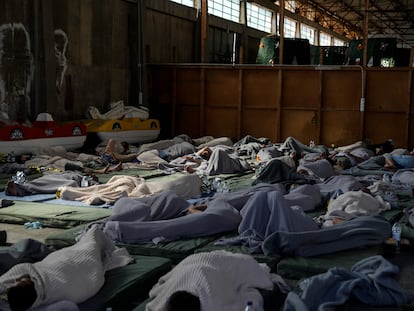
(306, 102)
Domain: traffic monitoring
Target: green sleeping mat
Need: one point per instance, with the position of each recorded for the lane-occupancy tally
(304, 267)
(141, 306)
(51, 215)
(271, 261)
(126, 286)
(174, 250)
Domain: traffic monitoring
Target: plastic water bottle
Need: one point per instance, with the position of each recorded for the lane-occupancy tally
(396, 235)
(253, 155)
(206, 185)
(225, 187)
(217, 184)
(249, 306)
(386, 178)
(85, 181)
(19, 178)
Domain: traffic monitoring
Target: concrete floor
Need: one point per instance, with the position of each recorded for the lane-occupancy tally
(18, 232)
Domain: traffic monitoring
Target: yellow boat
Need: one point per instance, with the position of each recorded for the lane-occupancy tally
(131, 130)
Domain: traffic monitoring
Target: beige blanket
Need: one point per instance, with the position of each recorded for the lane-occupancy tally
(185, 185)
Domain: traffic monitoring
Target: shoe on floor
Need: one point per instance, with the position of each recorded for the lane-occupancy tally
(5, 203)
(3, 237)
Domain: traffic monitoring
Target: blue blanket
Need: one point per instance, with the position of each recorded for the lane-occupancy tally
(358, 232)
(371, 281)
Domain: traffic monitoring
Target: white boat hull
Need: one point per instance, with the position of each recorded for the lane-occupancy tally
(131, 137)
(32, 145)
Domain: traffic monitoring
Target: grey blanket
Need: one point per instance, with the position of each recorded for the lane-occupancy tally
(371, 281)
(159, 220)
(343, 182)
(358, 232)
(265, 213)
(26, 250)
(276, 171)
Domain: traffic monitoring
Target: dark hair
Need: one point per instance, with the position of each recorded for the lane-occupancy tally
(21, 297)
(183, 301)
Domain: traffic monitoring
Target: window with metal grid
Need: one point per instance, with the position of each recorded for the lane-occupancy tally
(338, 42)
(185, 2)
(324, 39)
(259, 17)
(307, 32)
(227, 9)
(289, 28)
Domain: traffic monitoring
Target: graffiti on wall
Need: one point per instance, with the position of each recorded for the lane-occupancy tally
(61, 45)
(16, 70)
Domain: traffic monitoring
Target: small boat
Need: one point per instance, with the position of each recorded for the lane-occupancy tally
(123, 123)
(19, 138)
(130, 130)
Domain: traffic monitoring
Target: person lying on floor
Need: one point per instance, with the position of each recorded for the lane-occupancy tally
(167, 217)
(352, 204)
(361, 231)
(57, 157)
(209, 161)
(116, 152)
(268, 215)
(267, 212)
(74, 273)
(186, 186)
(157, 156)
(291, 144)
(372, 281)
(218, 280)
(50, 182)
(278, 171)
(250, 145)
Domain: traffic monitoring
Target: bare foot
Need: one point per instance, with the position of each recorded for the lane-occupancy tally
(115, 168)
(97, 171)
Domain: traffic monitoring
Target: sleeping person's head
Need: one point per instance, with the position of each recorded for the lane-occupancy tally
(183, 300)
(205, 153)
(22, 295)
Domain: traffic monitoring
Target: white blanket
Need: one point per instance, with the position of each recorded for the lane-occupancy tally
(74, 273)
(222, 280)
(353, 204)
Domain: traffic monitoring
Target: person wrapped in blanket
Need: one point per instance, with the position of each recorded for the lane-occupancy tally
(71, 274)
(218, 280)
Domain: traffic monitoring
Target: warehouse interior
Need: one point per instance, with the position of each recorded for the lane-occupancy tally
(326, 73)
